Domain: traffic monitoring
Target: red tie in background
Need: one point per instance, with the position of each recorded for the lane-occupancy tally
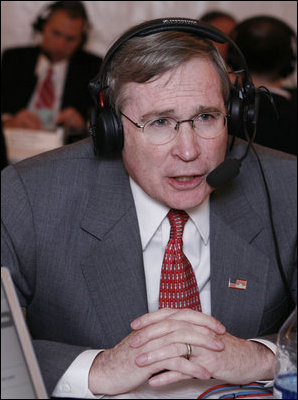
(46, 94)
(178, 284)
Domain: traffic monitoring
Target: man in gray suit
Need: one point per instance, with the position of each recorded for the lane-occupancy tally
(84, 235)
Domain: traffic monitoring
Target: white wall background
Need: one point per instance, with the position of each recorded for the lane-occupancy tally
(110, 18)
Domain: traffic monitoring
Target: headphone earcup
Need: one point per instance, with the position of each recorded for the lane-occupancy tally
(235, 112)
(243, 111)
(107, 133)
(38, 24)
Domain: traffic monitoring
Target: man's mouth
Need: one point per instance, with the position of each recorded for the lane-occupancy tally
(185, 181)
(184, 178)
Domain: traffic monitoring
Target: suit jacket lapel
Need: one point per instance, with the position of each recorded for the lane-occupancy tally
(116, 263)
(235, 240)
(114, 271)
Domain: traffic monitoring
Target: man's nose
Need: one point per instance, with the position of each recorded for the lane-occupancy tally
(61, 43)
(186, 145)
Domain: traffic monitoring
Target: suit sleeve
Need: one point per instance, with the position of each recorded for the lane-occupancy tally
(19, 256)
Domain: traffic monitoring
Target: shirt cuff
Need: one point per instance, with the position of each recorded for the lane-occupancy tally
(74, 382)
(273, 348)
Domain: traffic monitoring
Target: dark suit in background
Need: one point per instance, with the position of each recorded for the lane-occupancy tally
(267, 44)
(19, 79)
(280, 132)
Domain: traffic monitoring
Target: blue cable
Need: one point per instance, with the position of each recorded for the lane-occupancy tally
(236, 395)
(260, 390)
(218, 390)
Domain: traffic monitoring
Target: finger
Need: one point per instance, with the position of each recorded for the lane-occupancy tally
(177, 331)
(200, 319)
(177, 366)
(31, 122)
(168, 377)
(61, 118)
(165, 348)
(27, 119)
(163, 353)
(153, 317)
(185, 314)
(196, 336)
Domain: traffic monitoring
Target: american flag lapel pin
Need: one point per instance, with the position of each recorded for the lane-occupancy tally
(238, 284)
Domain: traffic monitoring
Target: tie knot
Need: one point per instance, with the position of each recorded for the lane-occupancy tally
(177, 220)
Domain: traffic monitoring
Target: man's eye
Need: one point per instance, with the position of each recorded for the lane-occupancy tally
(206, 117)
(161, 122)
(56, 33)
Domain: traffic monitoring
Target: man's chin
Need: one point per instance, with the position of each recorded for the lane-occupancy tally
(58, 58)
(185, 201)
(55, 57)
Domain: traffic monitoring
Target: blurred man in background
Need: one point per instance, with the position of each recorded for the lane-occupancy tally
(47, 85)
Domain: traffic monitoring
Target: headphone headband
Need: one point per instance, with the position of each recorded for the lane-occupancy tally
(180, 24)
(188, 25)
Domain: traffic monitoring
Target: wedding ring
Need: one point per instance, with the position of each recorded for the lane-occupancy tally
(189, 351)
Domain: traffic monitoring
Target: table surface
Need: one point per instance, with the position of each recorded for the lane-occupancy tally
(188, 389)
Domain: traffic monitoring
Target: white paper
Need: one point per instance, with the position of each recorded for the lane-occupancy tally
(23, 143)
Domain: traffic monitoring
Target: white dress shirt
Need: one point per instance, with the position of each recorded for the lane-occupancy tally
(59, 77)
(155, 232)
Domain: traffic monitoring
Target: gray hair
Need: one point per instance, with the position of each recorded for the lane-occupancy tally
(143, 58)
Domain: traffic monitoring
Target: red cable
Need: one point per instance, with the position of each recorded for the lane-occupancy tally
(214, 388)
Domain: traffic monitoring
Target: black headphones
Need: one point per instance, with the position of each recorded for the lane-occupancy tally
(106, 127)
(69, 6)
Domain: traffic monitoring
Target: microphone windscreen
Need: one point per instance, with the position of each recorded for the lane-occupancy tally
(225, 172)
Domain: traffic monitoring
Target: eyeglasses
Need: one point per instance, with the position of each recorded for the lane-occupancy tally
(208, 125)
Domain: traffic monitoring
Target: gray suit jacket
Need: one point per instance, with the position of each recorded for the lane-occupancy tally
(70, 237)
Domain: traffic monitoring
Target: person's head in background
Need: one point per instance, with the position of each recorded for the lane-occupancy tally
(268, 47)
(222, 21)
(63, 26)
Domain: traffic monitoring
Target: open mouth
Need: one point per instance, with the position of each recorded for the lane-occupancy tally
(185, 181)
(185, 178)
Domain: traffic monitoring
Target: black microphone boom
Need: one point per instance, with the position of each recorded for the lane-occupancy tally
(225, 172)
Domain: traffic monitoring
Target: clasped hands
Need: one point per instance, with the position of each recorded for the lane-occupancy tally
(155, 352)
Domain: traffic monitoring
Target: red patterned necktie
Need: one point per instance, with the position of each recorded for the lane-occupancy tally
(178, 284)
(46, 94)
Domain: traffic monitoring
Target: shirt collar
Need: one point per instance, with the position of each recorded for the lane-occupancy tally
(151, 213)
(43, 63)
